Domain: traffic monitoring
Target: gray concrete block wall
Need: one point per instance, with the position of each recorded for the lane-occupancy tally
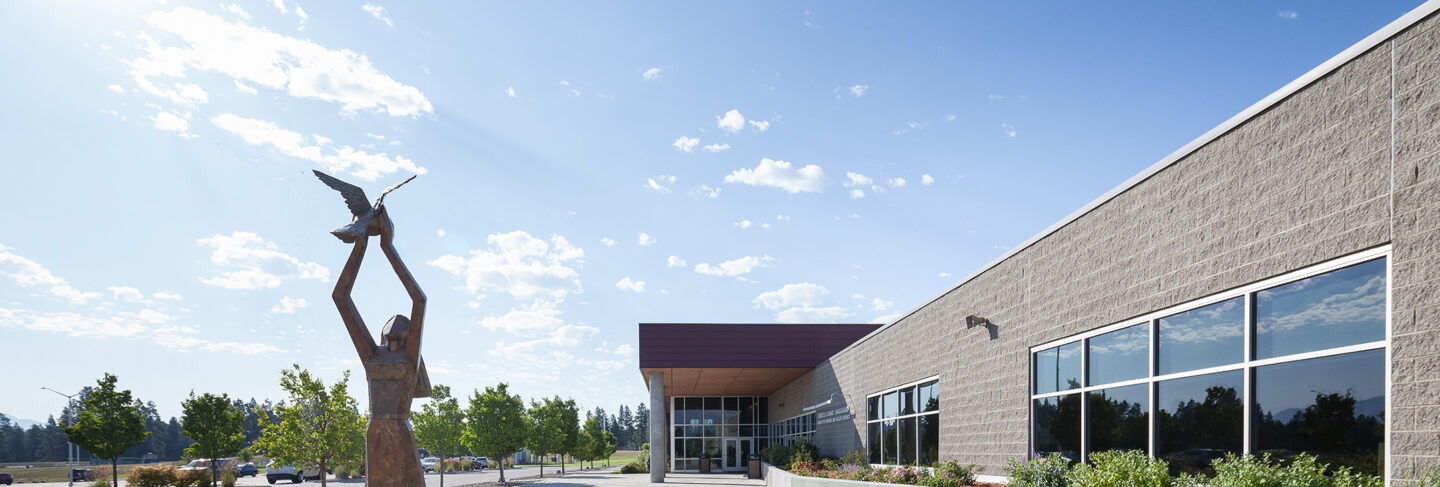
(1306, 181)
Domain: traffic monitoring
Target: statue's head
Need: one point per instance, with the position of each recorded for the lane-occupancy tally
(393, 335)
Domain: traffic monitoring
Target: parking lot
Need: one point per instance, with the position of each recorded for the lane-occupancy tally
(453, 479)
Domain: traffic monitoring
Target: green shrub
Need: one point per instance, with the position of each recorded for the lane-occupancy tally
(1040, 472)
(952, 469)
(227, 479)
(101, 482)
(1303, 471)
(1128, 468)
(804, 451)
(152, 476)
(189, 478)
(644, 458)
(634, 467)
(777, 455)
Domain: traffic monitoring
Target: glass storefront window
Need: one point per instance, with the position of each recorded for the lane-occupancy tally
(1119, 418)
(1057, 369)
(1057, 426)
(1120, 355)
(1203, 337)
(1331, 407)
(1201, 419)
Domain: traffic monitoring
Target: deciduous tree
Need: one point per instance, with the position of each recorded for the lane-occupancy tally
(109, 424)
(495, 424)
(316, 426)
(216, 426)
(439, 426)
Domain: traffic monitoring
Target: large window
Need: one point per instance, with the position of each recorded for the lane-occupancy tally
(903, 424)
(798, 428)
(1289, 365)
(699, 426)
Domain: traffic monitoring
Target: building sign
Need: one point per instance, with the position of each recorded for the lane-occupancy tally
(833, 416)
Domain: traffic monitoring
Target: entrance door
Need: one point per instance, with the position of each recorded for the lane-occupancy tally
(737, 453)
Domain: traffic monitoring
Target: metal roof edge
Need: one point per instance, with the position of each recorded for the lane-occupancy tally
(1369, 42)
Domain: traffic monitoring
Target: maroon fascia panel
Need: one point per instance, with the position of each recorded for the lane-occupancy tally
(730, 345)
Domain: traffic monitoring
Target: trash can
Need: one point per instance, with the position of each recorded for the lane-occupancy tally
(705, 465)
(757, 471)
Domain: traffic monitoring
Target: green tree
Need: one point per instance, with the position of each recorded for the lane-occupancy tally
(109, 424)
(216, 426)
(316, 427)
(611, 443)
(592, 441)
(546, 429)
(569, 428)
(495, 424)
(439, 426)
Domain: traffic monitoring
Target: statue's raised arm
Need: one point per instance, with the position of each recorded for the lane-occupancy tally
(354, 324)
(417, 296)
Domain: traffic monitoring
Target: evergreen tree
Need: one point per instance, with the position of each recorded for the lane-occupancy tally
(641, 429)
(495, 424)
(216, 425)
(109, 425)
(175, 440)
(624, 423)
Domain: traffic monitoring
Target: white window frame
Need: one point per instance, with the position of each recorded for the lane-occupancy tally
(897, 419)
(1247, 365)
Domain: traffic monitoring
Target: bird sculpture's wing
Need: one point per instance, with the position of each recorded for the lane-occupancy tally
(354, 196)
(392, 188)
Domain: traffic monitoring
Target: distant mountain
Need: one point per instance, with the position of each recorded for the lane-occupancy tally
(23, 423)
(1374, 406)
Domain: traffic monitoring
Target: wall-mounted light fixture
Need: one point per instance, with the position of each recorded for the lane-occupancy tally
(826, 402)
(974, 321)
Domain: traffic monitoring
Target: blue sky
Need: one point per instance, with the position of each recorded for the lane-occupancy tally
(585, 166)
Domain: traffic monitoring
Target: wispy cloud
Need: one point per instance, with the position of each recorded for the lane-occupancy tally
(1289, 14)
(858, 91)
(320, 150)
(520, 265)
(717, 147)
(781, 174)
(655, 183)
(650, 74)
(378, 12)
(247, 262)
(1008, 130)
(627, 284)
(734, 268)
(686, 144)
(288, 305)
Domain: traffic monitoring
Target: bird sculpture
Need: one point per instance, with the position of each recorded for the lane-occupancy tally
(364, 222)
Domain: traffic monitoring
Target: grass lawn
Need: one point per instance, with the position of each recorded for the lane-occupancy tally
(620, 457)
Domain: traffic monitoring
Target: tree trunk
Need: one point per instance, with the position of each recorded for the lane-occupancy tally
(501, 461)
(114, 472)
(442, 472)
(322, 473)
(542, 466)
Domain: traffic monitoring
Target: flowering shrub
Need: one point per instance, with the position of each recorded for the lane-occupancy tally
(947, 474)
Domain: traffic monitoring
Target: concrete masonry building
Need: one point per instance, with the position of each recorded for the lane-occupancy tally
(1272, 286)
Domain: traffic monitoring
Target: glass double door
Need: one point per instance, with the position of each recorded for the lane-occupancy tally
(737, 453)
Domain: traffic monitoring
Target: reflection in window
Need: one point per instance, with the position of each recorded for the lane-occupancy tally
(1338, 308)
(1058, 369)
(1057, 426)
(1201, 419)
(1331, 407)
(1120, 355)
(907, 401)
(907, 434)
(1119, 418)
(875, 443)
(907, 441)
(1203, 337)
(929, 397)
(888, 448)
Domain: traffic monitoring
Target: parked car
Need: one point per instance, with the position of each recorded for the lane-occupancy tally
(483, 462)
(246, 470)
(274, 472)
(6, 479)
(428, 463)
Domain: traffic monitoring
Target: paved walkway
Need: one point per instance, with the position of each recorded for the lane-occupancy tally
(605, 479)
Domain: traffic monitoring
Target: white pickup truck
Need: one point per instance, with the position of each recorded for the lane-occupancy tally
(274, 472)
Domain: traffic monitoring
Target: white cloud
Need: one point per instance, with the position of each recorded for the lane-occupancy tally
(686, 144)
(279, 5)
(884, 319)
(896, 182)
(927, 179)
(857, 193)
(1008, 130)
(733, 268)
(717, 147)
(510, 90)
(235, 9)
(856, 179)
(166, 296)
(651, 73)
(743, 224)
(299, 67)
(911, 126)
(732, 121)
(858, 91)
(171, 122)
(440, 232)
(782, 218)
(288, 305)
(706, 191)
(674, 261)
(949, 118)
(881, 305)
(624, 350)
(609, 242)
(944, 274)
(334, 158)
(244, 88)
(760, 125)
(792, 295)
(254, 263)
(781, 174)
(537, 317)
(650, 183)
(519, 265)
(303, 16)
(627, 284)
(644, 239)
(378, 12)
(807, 314)
(28, 273)
(127, 294)
(1289, 14)
(115, 88)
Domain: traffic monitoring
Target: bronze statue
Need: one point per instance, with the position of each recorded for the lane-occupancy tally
(394, 370)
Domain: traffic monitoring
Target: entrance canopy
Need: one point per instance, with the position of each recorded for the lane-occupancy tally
(714, 359)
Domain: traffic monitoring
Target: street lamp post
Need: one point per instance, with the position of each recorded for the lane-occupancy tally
(72, 456)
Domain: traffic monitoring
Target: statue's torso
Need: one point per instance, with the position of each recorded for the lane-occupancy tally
(391, 379)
